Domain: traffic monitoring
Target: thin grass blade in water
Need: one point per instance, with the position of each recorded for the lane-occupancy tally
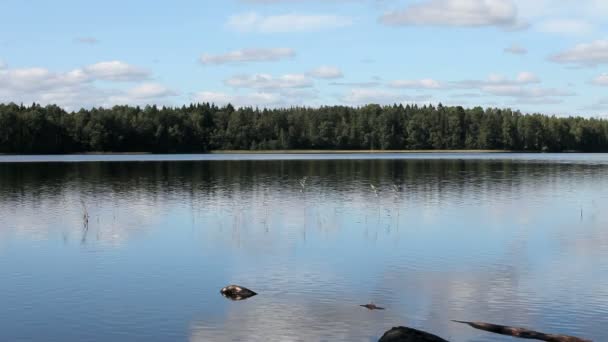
(374, 189)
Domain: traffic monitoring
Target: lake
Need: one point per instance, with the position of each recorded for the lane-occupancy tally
(517, 239)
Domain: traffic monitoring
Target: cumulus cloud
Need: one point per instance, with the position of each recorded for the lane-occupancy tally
(601, 80)
(356, 84)
(86, 40)
(365, 96)
(531, 100)
(527, 77)
(466, 95)
(253, 22)
(380, 96)
(265, 81)
(516, 50)
(417, 84)
(84, 96)
(150, 90)
(116, 71)
(519, 88)
(494, 80)
(599, 105)
(36, 79)
(142, 94)
(267, 98)
(27, 79)
(463, 13)
(78, 87)
(584, 55)
(249, 55)
(497, 80)
(594, 11)
(326, 72)
(523, 88)
(565, 26)
(261, 99)
(523, 92)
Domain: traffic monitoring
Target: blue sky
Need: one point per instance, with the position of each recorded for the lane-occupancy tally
(548, 56)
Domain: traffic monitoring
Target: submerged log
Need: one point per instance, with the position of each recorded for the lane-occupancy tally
(522, 332)
(403, 334)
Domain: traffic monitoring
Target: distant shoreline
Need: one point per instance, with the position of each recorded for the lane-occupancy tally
(297, 152)
(352, 151)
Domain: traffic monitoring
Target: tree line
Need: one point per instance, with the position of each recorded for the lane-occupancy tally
(203, 127)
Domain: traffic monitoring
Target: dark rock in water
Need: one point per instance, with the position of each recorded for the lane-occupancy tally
(235, 292)
(403, 334)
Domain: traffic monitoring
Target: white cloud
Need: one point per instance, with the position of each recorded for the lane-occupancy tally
(265, 81)
(116, 71)
(356, 84)
(380, 96)
(497, 80)
(253, 22)
(417, 84)
(35, 79)
(535, 8)
(3, 65)
(40, 78)
(84, 96)
(527, 77)
(600, 105)
(142, 94)
(254, 99)
(590, 9)
(78, 87)
(365, 96)
(268, 98)
(518, 88)
(516, 50)
(326, 72)
(464, 13)
(150, 90)
(494, 80)
(466, 95)
(249, 55)
(530, 100)
(523, 92)
(585, 55)
(86, 40)
(598, 7)
(601, 80)
(565, 26)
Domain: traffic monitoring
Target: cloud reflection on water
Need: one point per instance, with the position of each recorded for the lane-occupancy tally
(500, 241)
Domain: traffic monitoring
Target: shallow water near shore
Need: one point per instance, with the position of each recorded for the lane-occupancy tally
(516, 239)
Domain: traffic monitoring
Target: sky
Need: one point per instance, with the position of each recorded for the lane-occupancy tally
(547, 56)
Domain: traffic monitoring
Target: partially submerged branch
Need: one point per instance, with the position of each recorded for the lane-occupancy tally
(522, 332)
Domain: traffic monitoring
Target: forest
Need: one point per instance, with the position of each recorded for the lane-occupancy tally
(198, 128)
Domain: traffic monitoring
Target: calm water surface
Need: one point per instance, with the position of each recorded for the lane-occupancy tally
(504, 238)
